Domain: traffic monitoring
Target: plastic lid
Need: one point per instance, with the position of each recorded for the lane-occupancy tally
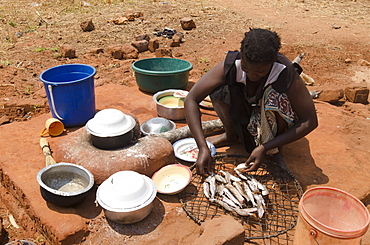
(110, 122)
(126, 191)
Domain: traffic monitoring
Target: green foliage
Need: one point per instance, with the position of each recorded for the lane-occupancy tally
(28, 90)
(6, 62)
(40, 240)
(39, 49)
(203, 60)
(56, 49)
(58, 55)
(11, 23)
(31, 29)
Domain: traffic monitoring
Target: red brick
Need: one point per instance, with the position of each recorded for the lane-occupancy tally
(357, 94)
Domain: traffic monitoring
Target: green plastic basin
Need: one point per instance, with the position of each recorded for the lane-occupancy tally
(157, 74)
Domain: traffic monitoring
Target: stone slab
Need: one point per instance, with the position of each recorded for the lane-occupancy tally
(323, 157)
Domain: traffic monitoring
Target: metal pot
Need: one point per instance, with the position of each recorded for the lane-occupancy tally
(113, 142)
(111, 129)
(129, 217)
(126, 197)
(65, 184)
(169, 112)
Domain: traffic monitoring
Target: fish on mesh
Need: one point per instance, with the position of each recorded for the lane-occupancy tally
(242, 194)
(221, 179)
(222, 204)
(228, 201)
(235, 193)
(249, 194)
(206, 190)
(260, 204)
(245, 211)
(240, 189)
(228, 193)
(226, 175)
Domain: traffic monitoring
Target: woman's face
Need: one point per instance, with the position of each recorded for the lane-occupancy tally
(255, 71)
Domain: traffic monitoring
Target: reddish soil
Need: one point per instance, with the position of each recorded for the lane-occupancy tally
(333, 34)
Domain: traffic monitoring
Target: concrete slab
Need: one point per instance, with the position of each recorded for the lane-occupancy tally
(335, 154)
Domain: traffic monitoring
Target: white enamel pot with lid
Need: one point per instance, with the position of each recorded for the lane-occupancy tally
(126, 197)
(111, 129)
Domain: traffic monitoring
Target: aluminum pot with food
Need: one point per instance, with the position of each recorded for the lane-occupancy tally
(65, 184)
(169, 106)
(126, 197)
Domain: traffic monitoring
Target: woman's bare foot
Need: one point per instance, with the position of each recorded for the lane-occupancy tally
(222, 140)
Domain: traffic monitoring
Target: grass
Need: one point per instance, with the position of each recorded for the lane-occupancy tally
(40, 49)
(6, 62)
(11, 23)
(28, 90)
(203, 60)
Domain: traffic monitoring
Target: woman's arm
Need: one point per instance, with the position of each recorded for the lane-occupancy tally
(204, 86)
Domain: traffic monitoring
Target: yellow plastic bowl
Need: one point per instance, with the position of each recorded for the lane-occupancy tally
(172, 179)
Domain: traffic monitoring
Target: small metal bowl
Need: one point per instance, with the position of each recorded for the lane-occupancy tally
(157, 125)
(65, 184)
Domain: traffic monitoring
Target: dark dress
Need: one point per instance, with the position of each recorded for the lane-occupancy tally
(234, 94)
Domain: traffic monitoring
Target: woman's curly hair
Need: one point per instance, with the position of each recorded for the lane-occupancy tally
(260, 45)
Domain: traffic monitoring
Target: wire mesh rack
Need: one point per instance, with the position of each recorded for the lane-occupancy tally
(281, 210)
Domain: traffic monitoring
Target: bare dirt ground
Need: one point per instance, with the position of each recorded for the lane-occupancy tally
(333, 34)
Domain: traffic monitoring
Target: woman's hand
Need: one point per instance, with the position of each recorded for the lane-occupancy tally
(204, 162)
(256, 158)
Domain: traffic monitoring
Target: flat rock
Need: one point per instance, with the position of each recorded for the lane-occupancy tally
(224, 230)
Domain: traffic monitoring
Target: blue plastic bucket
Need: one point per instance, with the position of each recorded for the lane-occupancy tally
(70, 92)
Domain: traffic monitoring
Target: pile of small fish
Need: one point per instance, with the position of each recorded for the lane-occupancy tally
(242, 194)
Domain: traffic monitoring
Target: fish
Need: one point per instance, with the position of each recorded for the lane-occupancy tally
(253, 185)
(245, 211)
(212, 186)
(240, 189)
(236, 193)
(208, 178)
(222, 204)
(226, 200)
(249, 193)
(262, 188)
(234, 178)
(226, 175)
(260, 204)
(242, 194)
(220, 189)
(228, 193)
(220, 178)
(241, 175)
(206, 189)
(241, 166)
